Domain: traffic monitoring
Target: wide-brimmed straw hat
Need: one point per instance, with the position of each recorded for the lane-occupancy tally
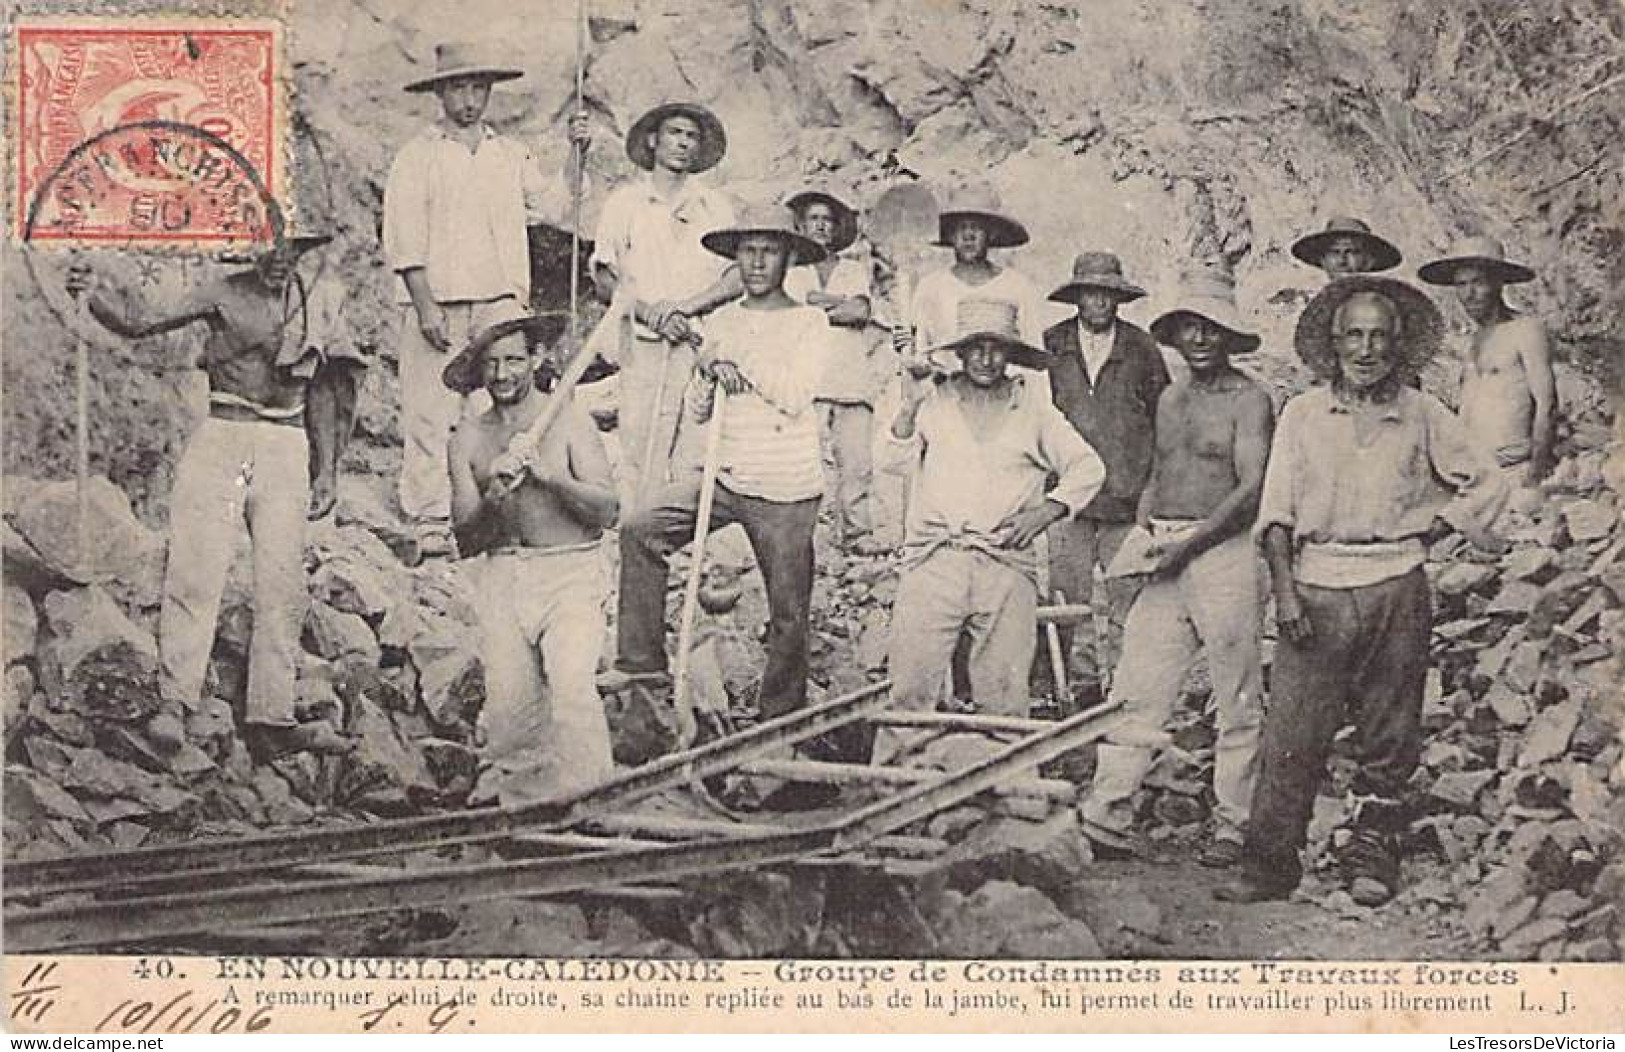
(1311, 247)
(713, 140)
(456, 60)
(1421, 324)
(1476, 251)
(1097, 270)
(988, 319)
(1208, 292)
(465, 373)
(765, 219)
(980, 203)
(846, 217)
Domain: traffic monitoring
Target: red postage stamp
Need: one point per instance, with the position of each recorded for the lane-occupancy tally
(142, 131)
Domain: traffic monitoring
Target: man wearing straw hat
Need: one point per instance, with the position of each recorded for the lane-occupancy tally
(986, 444)
(1365, 473)
(1105, 377)
(282, 400)
(456, 205)
(972, 224)
(841, 286)
(767, 352)
(540, 586)
(1347, 246)
(649, 264)
(1202, 591)
(1508, 392)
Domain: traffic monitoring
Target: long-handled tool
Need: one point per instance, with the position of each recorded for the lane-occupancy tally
(687, 722)
(576, 179)
(1052, 634)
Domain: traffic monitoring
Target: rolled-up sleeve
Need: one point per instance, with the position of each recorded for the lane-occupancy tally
(1481, 493)
(406, 210)
(1066, 454)
(612, 233)
(321, 334)
(1278, 502)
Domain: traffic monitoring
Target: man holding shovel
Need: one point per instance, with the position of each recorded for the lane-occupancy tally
(649, 265)
(766, 352)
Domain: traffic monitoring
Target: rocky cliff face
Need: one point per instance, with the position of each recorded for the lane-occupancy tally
(1164, 131)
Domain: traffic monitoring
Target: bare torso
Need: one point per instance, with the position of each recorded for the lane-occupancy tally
(533, 515)
(246, 321)
(1497, 403)
(1196, 445)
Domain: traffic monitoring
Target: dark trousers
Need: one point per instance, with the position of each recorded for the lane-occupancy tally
(781, 536)
(1365, 663)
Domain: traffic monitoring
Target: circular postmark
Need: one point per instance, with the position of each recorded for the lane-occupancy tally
(154, 183)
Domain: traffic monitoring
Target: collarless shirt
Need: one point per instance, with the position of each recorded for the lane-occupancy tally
(652, 240)
(1358, 509)
(1095, 347)
(847, 368)
(769, 447)
(968, 484)
(461, 214)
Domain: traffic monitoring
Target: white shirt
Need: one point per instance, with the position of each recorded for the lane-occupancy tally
(652, 241)
(769, 446)
(1097, 347)
(848, 371)
(461, 214)
(935, 311)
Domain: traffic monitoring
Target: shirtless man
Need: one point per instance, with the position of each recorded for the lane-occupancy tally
(540, 590)
(1508, 392)
(282, 397)
(1347, 246)
(1204, 591)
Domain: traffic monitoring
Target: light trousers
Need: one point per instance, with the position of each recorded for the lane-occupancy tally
(1214, 606)
(236, 474)
(541, 616)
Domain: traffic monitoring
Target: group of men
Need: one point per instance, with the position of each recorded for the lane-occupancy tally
(1171, 497)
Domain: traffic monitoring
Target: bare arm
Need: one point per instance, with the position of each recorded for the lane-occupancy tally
(431, 320)
(1148, 495)
(586, 487)
(1537, 367)
(1289, 613)
(467, 502)
(121, 317)
(850, 313)
(330, 409)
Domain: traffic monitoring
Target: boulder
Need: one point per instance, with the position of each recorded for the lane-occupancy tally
(1511, 707)
(1530, 564)
(333, 634)
(1461, 578)
(29, 793)
(1048, 855)
(1588, 520)
(21, 624)
(1002, 919)
(282, 807)
(642, 724)
(759, 914)
(18, 698)
(47, 517)
(96, 662)
(1549, 733)
(452, 763)
(1461, 788)
(212, 725)
(1522, 944)
(451, 678)
(383, 759)
(1515, 597)
(102, 776)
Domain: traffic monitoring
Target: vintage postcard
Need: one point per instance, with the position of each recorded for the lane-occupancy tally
(812, 515)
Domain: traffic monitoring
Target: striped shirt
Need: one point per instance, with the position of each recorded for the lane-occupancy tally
(769, 442)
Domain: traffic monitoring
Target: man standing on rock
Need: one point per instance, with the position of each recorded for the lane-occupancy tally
(540, 583)
(986, 445)
(1508, 391)
(841, 287)
(767, 352)
(1203, 593)
(1347, 246)
(1105, 377)
(456, 206)
(282, 401)
(648, 263)
(1359, 485)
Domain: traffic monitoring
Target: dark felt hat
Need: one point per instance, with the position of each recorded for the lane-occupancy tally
(457, 61)
(1478, 251)
(846, 217)
(765, 219)
(1097, 270)
(1208, 293)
